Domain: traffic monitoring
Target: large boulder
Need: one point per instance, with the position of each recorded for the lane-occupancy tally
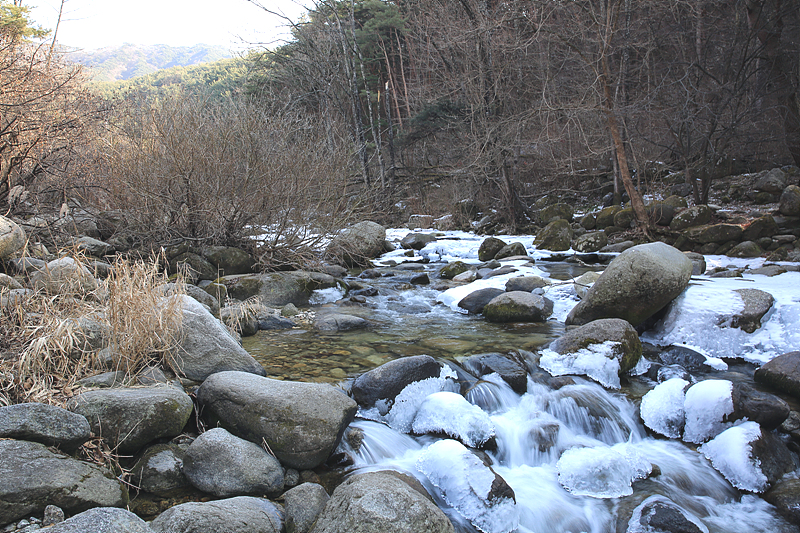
(715, 233)
(333, 322)
(694, 216)
(591, 242)
(518, 306)
(304, 503)
(556, 236)
(637, 284)
(357, 244)
(225, 465)
(276, 289)
(102, 520)
(130, 418)
(782, 374)
(381, 502)
(48, 424)
(526, 283)
(790, 201)
(64, 276)
(301, 423)
(771, 181)
(228, 260)
(761, 227)
(417, 241)
(514, 249)
(160, 470)
(560, 211)
(12, 238)
(207, 346)
(605, 217)
(34, 477)
(388, 380)
(489, 248)
(475, 301)
(242, 514)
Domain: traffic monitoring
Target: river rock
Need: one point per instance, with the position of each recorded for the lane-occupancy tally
(102, 520)
(526, 283)
(627, 349)
(417, 241)
(660, 516)
(661, 213)
(194, 265)
(684, 357)
(242, 514)
(790, 201)
(228, 260)
(589, 221)
(301, 423)
(694, 216)
(624, 218)
(757, 303)
(34, 477)
(510, 369)
(476, 492)
(489, 248)
(767, 409)
(591, 242)
(195, 292)
(515, 249)
(745, 249)
(64, 276)
(130, 418)
(12, 238)
(453, 269)
(584, 282)
(698, 263)
(771, 181)
(635, 285)
(388, 380)
(304, 503)
(355, 245)
(160, 470)
(47, 424)
(785, 496)
(276, 289)
(380, 502)
(225, 465)
(518, 306)
(559, 211)
(662, 409)
(332, 322)
(605, 217)
(207, 346)
(240, 317)
(714, 233)
(475, 301)
(781, 373)
(761, 227)
(556, 236)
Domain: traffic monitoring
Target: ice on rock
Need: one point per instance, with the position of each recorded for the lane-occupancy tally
(602, 471)
(596, 361)
(407, 403)
(662, 408)
(706, 405)
(466, 484)
(635, 523)
(326, 296)
(452, 414)
(731, 453)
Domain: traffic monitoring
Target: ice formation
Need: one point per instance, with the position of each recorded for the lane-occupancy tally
(452, 414)
(731, 453)
(597, 361)
(601, 471)
(662, 408)
(707, 404)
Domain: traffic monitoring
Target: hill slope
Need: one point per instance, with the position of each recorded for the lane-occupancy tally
(132, 60)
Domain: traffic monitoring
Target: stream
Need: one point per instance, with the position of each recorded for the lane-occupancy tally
(577, 456)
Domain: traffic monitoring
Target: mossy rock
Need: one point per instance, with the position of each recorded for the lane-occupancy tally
(591, 242)
(761, 227)
(518, 306)
(589, 221)
(605, 217)
(557, 237)
(453, 269)
(624, 218)
(694, 216)
(489, 248)
(716, 233)
(745, 249)
(511, 250)
(555, 212)
(628, 350)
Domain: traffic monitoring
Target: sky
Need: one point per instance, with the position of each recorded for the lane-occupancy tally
(92, 24)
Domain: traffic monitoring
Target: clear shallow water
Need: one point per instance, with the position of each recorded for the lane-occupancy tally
(576, 457)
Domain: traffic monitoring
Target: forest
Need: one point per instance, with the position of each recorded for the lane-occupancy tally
(383, 108)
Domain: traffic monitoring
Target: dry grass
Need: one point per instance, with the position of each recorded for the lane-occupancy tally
(44, 351)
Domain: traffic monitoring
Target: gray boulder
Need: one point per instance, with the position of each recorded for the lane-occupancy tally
(512, 370)
(34, 477)
(714, 233)
(591, 242)
(698, 263)
(102, 520)
(556, 236)
(782, 374)
(560, 211)
(790, 201)
(225, 465)
(757, 303)
(475, 301)
(745, 249)
(64, 276)
(380, 502)
(242, 514)
(228, 260)
(767, 409)
(94, 247)
(301, 423)
(160, 470)
(417, 241)
(194, 265)
(518, 306)
(277, 289)
(628, 350)
(584, 282)
(489, 248)
(207, 347)
(761, 227)
(357, 244)
(637, 283)
(303, 505)
(130, 418)
(514, 249)
(694, 216)
(332, 322)
(388, 380)
(47, 424)
(526, 283)
(785, 496)
(12, 238)
(771, 181)
(195, 292)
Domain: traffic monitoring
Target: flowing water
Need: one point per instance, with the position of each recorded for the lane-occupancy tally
(539, 434)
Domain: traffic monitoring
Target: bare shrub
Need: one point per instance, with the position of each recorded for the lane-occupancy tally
(215, 171)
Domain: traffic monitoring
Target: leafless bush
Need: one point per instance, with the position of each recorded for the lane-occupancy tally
(218, 171)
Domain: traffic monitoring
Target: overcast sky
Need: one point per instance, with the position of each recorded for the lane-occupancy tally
(92, 24)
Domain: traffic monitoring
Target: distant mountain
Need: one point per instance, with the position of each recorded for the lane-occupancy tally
(132, 60)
